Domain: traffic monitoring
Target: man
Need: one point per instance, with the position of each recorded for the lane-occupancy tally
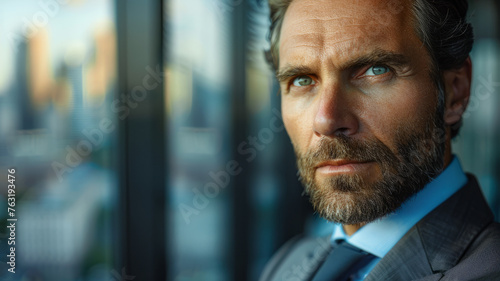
(372, 93)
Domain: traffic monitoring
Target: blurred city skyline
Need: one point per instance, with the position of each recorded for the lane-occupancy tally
(63, 30)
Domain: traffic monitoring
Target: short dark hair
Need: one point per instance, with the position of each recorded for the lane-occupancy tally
(441, 25)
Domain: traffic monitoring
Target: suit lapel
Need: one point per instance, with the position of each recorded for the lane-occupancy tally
(438, 241)
(298, 261)
(450, 229)
(405, 261)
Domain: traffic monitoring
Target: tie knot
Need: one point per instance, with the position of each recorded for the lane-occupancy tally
(342, 262)
(344, 243)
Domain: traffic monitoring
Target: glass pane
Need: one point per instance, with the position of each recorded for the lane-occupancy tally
(198, 106)
(477, 143)
(202, 138)
(56, 130)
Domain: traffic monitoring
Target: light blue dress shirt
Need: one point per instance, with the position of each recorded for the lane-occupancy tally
(378, 237)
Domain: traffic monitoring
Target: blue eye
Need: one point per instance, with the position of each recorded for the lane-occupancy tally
(301, 81)
(377, 70)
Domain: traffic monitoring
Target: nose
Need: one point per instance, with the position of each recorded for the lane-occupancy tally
(335, 113)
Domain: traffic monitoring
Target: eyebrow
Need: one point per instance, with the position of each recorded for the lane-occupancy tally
(376, 57)
(291, 71)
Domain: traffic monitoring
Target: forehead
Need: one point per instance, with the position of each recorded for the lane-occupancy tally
(345, 28)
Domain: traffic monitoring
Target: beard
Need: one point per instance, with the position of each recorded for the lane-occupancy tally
(348, 198)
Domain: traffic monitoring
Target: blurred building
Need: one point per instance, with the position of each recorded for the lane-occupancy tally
(57, 222)
(63, 229)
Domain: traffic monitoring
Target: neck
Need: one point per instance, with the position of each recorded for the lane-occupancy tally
(447, 151)
(350, 229)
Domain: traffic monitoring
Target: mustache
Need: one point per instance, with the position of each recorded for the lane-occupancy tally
(343, 147)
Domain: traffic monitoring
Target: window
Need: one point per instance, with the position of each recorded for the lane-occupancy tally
(57, 131)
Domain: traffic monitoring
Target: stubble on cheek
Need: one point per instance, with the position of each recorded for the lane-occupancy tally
(354, 198)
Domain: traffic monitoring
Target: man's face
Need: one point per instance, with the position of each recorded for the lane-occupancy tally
(359, 105)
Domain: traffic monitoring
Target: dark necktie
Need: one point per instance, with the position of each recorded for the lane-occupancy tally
(342, 262)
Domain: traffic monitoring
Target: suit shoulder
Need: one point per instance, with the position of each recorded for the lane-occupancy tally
(297, 259)
(481, 261)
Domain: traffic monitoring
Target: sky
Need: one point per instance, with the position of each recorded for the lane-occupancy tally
(70, 25)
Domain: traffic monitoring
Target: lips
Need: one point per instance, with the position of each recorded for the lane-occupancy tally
(339, 162)
(342, 166)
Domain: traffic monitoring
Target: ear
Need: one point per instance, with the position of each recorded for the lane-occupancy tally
(457, 84)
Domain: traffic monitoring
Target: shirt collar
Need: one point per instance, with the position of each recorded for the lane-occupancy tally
(379, 236)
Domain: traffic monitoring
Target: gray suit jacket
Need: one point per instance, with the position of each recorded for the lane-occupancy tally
(456, 241)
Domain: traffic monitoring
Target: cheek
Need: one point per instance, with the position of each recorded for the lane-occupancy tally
(405, 108)
(296, 122)
(289, 119)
